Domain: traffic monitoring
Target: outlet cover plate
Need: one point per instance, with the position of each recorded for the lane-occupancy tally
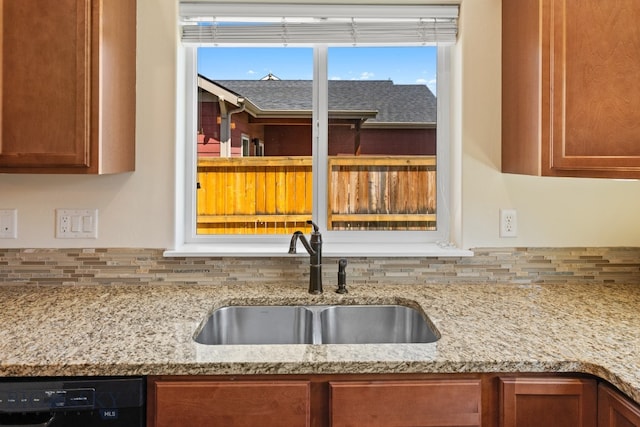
(76, 223)
(508, 223)
(8, 223)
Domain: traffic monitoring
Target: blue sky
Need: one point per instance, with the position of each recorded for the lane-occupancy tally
(402, 65)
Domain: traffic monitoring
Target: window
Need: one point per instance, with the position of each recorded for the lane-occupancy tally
(246, 148)
(259, 147)
(309, 112)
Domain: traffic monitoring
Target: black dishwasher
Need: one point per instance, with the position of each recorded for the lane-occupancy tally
(79, 402)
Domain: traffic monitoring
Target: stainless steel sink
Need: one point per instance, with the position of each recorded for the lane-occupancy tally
(374, 324)
(258, 325)
(326, 324)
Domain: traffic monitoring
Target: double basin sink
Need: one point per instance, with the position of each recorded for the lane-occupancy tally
(316, 324)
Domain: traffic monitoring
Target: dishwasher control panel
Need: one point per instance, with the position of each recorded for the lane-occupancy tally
(73, 401)
(17, 399)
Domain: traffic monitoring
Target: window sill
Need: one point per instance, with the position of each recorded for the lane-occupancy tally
(328, 250)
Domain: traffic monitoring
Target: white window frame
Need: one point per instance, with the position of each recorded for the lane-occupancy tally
(245, 139)
(336, 243)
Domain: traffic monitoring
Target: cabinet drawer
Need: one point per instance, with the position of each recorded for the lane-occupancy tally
(395, 403)
(243, 403)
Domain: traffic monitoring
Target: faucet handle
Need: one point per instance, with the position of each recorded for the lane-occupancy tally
(315, 226)
(342, 277)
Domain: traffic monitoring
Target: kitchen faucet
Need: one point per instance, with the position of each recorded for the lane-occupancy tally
(314, 247)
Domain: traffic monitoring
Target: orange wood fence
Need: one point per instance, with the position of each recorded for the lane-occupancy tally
(273, 195)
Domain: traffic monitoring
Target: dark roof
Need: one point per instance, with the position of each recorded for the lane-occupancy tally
(393, 103)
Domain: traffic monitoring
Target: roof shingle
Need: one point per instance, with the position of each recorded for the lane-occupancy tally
(394, 103)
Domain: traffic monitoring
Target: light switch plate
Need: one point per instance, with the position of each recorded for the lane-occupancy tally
(8, 223)
(76, 223)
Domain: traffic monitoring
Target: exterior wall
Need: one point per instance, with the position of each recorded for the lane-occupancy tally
(240, 126)
(209, 127)
(342, 140)
(208, 113)
(408, 142)
(295, 140)
(287, 140)
(209, 130)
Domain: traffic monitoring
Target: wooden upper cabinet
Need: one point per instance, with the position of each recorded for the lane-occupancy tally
(67, 86)
(615, 410)
(549, 402)
(570, 92)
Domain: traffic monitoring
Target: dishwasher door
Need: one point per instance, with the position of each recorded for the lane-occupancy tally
(61, 402)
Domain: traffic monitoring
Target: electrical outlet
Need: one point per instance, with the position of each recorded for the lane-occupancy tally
(8, 223)
(76, 223)
(508, 223)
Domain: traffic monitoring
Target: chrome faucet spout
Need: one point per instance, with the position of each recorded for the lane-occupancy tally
(314, 248)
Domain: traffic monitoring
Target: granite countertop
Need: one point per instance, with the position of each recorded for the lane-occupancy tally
(148, 330)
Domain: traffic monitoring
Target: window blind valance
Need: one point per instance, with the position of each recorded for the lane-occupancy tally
(287, 24)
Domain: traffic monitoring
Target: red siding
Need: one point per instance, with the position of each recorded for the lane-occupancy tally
(284, 140)
(342, 140)
(408, 142)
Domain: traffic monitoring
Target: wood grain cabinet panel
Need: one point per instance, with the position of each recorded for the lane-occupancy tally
(406, 403)
(242, 403)
(570, 100)
(67, 86)
(375, 400)
(615, 410)
(549, 402)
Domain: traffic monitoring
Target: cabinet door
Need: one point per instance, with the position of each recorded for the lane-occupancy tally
(549, 402)
(570, 104)
(595, 104)
(45, 83)
(615, 410)
(242, 403)
(404, 403)
(67, 86)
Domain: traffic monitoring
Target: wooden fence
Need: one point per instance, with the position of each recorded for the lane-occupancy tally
(382, 193)
(273, 195)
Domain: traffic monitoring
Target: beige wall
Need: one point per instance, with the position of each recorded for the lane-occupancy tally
(135, 210)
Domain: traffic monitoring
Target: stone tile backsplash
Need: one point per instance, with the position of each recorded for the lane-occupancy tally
(123, 266)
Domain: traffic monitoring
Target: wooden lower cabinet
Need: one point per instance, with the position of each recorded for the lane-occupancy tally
(372, 400)
(548, 402)
(615, 410)
(216, 403)
(316, 400)
(406, 403)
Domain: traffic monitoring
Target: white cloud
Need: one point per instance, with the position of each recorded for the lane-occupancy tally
(366, 75)
(251, 72)
(431, 84)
